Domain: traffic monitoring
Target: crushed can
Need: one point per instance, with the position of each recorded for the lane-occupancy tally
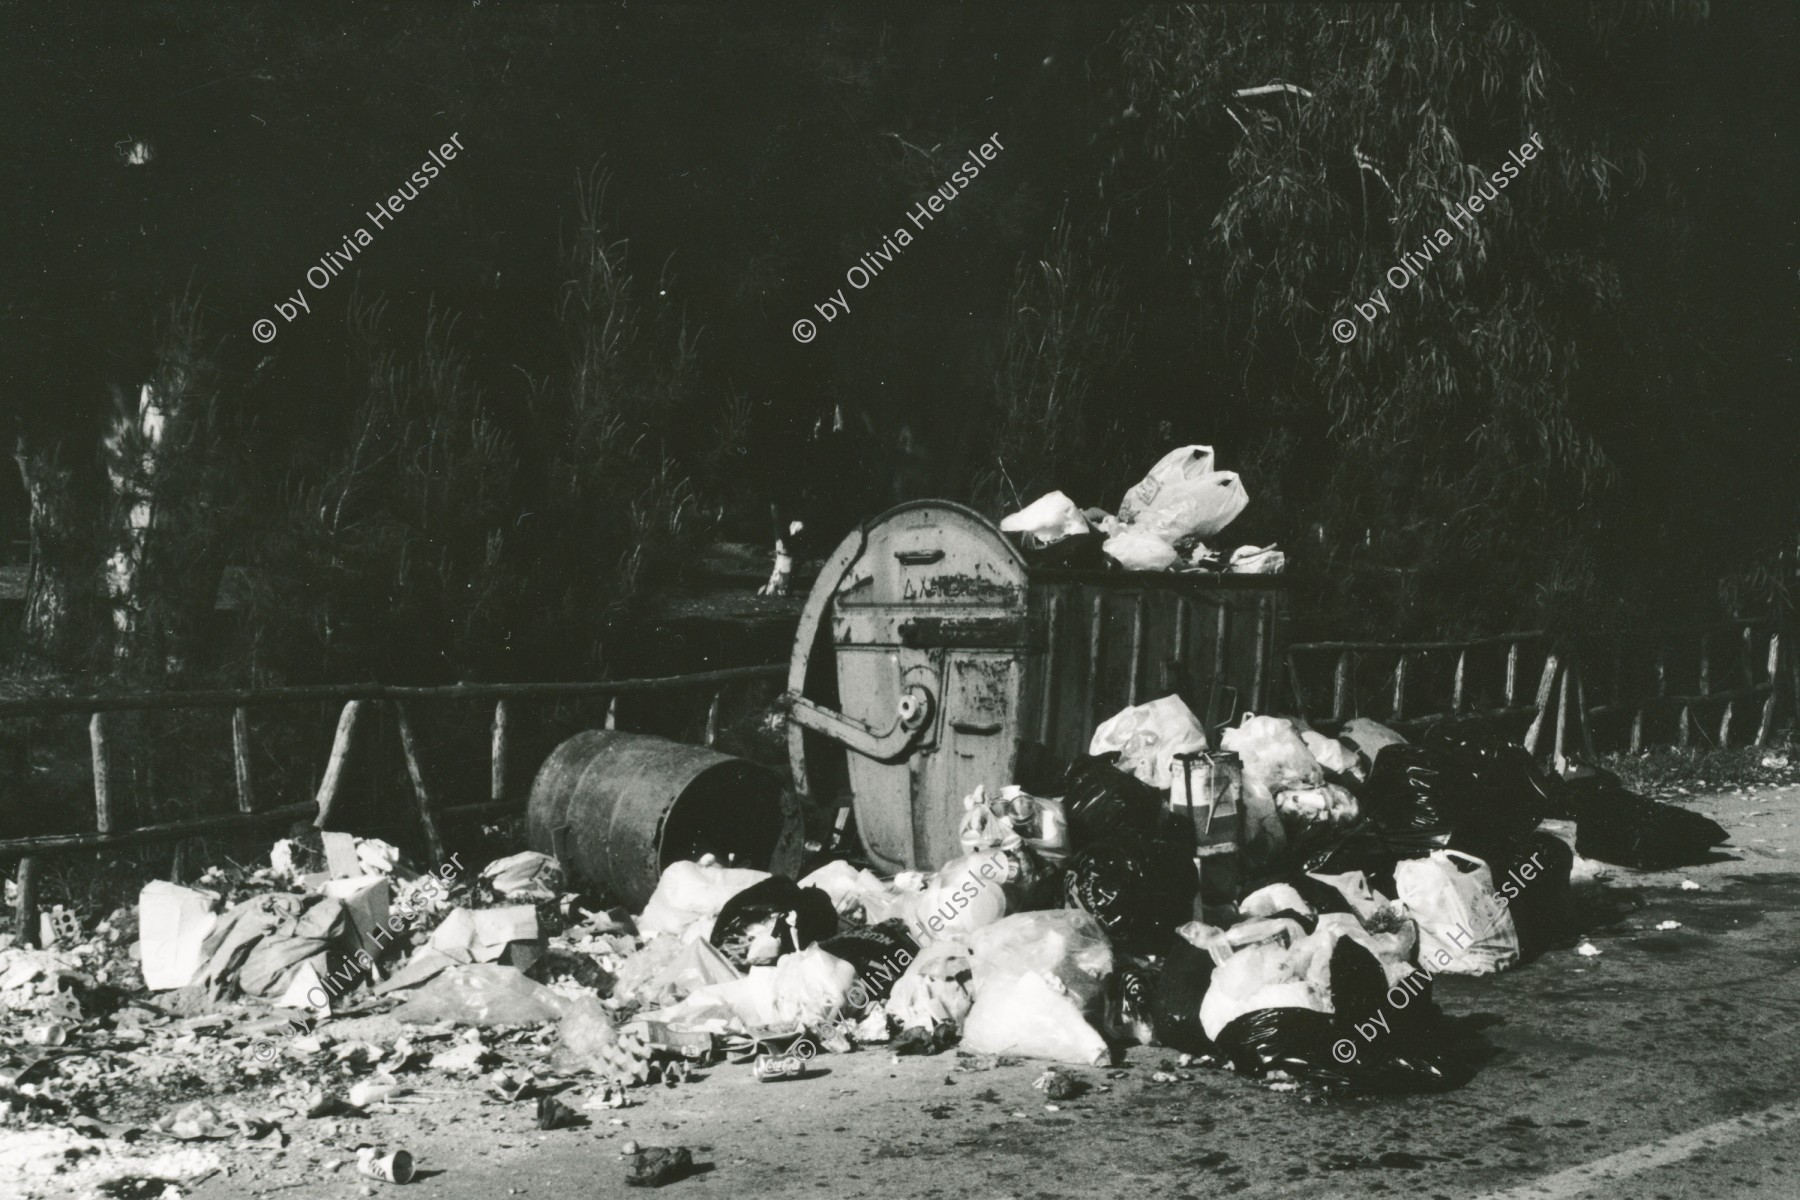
(771, 1067)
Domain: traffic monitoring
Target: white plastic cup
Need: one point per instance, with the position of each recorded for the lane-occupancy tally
(396, 1166)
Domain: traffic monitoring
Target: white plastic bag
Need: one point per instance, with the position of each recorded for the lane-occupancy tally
(1355, 888)
(1047, 520)
(1464, 928)
(689, 892)
(1029, 1015)
(1189, 462)
(1277, 897)
(1263, 976)
(1064, 944)
(812, 985)
(965, 895)
(935, 987)
(1199, 508)
(1273, 754)
(1333, 755)
(527, 875)
(1148, 737)
(852, 890)
(1139, 550)
(1257, 560)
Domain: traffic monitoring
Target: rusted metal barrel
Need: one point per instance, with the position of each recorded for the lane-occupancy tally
(617, 808)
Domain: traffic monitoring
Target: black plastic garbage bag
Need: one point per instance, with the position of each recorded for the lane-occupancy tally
(1622, 827)
(1139, 888)
(1439, 789)
(1100, 800)
(1358, 984)
(1175, 1004)
(1369, 848)
(880, 954)
(1318, 1048)
(750, 912)
(1504, 767)
(1077, 552)
(1531, 876)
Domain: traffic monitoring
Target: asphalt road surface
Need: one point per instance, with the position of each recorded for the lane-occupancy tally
(1662, 1067)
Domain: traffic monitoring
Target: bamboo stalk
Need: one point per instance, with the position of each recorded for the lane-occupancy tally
(1340, 689)
(1456, 694)
(427, 816)
(497, 755)
(1400, 686)
(103, 810)
(334, 766)
(712, 720)
(240, 759)
(1512, 674)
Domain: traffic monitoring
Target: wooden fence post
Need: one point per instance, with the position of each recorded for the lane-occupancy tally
(427, 814)
(103, 812)
(712, 719)
(1767, 725)
(1546, 691)
(25, 916)
(240, 759)
(497, 773)
(334, 766)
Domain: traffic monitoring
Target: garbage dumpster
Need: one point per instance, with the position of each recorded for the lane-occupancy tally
(930, 658)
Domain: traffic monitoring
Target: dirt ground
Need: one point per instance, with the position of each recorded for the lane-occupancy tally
(1663, 1066)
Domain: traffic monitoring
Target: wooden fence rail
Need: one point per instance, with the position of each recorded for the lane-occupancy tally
(355, 698)
(1636, 672)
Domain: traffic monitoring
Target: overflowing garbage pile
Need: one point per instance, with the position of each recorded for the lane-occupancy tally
(1277, 905)
(1164, 523)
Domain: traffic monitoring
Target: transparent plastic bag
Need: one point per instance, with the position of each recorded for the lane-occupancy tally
(1148, 737)
(1140, 550)
(1273, 754)
(1066, 945)
(1031, 1016)
(482, 994)
(811, 986)
(935, 986)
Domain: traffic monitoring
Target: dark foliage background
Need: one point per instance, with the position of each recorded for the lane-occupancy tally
(568, 362)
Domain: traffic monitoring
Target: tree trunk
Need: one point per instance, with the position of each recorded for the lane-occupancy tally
(50, 594)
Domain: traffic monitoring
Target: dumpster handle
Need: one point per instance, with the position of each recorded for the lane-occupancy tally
(911, 720)
(918, 558)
